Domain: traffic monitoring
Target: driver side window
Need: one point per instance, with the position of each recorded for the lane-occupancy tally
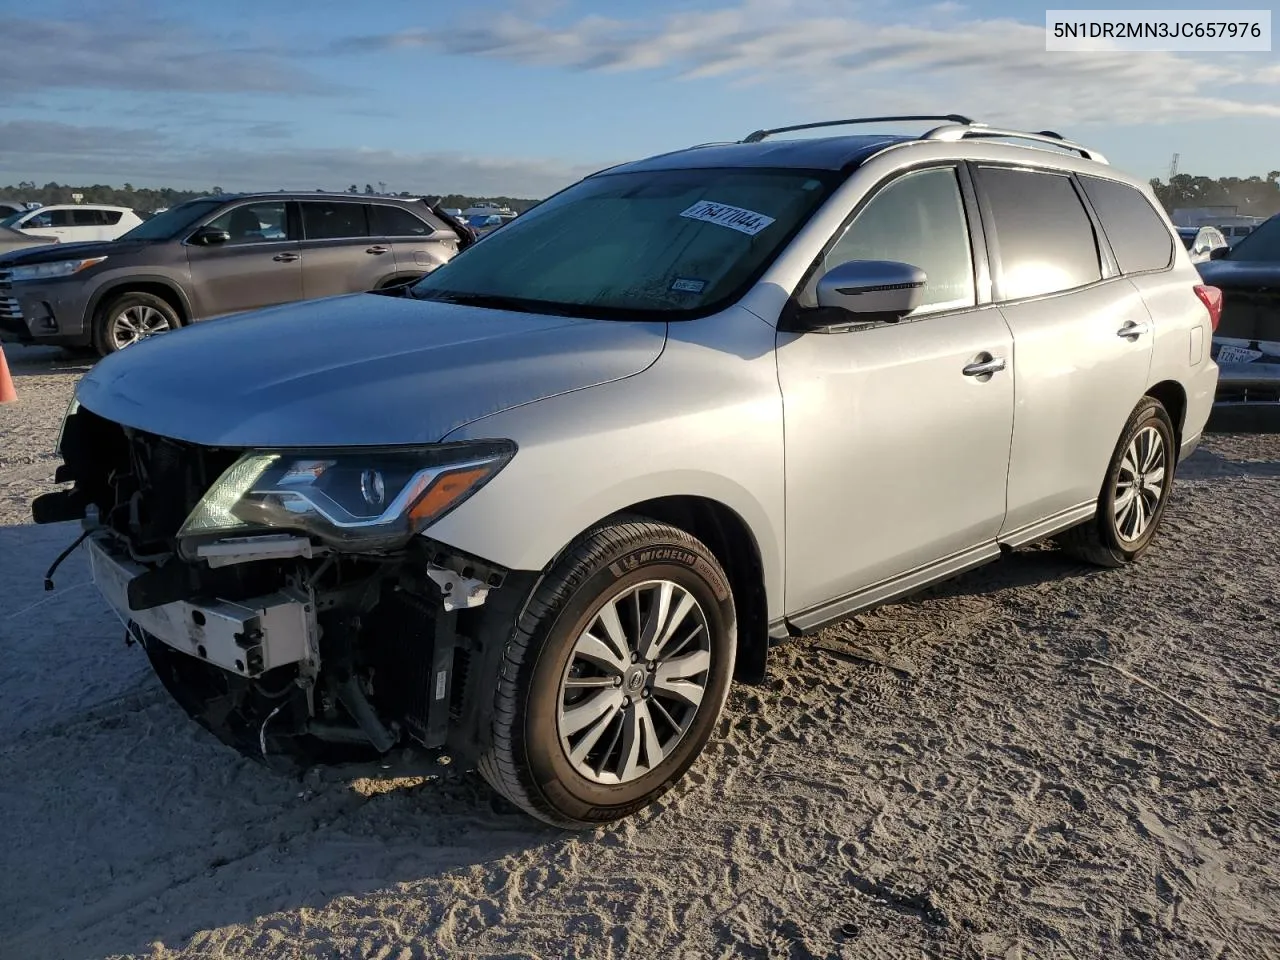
(918, 219)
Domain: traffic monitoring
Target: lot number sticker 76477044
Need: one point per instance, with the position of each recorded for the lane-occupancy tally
(735, 218)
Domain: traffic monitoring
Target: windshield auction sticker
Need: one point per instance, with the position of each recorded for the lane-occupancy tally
(735, 218)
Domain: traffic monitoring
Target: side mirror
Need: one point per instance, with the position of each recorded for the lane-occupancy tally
(208, 236)
(1217, 253)
(862, 291)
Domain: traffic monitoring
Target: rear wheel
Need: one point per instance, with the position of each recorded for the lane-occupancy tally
(1134, 493)
(130, 318)
(615, 676)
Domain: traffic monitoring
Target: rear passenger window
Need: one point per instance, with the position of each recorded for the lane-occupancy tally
(1043, 235)
(395, 222)
(325, 220)
(1138, 236)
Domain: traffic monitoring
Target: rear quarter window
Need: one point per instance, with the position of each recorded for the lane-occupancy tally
(389, 221)
(1138, 236)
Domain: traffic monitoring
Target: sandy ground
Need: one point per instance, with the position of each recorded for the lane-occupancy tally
(1037, 760)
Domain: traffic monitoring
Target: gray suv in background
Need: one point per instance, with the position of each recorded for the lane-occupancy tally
(218, 255)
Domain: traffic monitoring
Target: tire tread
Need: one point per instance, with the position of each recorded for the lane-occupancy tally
(501, 763)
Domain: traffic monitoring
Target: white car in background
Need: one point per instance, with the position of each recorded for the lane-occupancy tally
(74, 222)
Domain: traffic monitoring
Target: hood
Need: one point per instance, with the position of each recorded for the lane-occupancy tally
(1240, 273)
(362, 369)
(50, 250)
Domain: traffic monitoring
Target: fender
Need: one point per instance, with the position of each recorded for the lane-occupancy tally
(117, 284)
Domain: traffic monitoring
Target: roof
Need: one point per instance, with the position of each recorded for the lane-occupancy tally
(80, 206)
(306, 195)
(818, 153)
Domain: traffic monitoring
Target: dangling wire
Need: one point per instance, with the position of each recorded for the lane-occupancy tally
(48, 577)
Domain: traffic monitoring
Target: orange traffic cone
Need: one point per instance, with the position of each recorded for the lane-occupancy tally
(7, 393)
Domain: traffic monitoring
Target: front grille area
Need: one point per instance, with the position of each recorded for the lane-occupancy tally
(144, 486)
(10, 310)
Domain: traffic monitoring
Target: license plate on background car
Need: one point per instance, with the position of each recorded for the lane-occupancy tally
(1229, 354)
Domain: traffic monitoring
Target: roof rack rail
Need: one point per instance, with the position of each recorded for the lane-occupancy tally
(971, 130)
(757, 136)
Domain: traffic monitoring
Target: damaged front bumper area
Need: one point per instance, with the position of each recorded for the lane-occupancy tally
(290, 649)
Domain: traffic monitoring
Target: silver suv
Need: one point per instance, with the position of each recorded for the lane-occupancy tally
(538, 509)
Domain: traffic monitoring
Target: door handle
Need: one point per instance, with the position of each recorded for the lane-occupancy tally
(378, 249)
(286, 257)
(1132, 330)
(984, 368)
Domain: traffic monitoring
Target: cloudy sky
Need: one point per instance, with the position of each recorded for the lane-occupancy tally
(523, 96)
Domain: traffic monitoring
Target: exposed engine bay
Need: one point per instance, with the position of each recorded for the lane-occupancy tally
(285, 648)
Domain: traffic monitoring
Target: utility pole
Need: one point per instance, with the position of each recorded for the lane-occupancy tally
(1173, 166)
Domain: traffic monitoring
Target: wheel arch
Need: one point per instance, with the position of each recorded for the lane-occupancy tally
(1173, 396)
(399, 277)
(729, 537)
(160, 287)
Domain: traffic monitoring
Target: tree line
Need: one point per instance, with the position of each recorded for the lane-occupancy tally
(147, 200)
(1252, 196)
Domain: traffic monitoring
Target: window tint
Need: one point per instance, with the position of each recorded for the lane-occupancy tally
(637, 244)
(396, 222)
(917, 219)
(1138, 236)
(50, 218)
(253, 222)
(333, 220)
(87, 218)
(110, 217)
(1260, 243)
(1044, 236)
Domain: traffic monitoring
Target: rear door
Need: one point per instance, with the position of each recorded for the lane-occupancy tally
(91, 224)
(418, 247)
(1082, 340)
(259, 266)
(339, 252)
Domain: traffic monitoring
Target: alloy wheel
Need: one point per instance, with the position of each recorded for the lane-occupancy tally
(136, 323)
(634, 682)
(1140, 484)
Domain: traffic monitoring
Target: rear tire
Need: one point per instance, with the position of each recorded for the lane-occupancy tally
(130, 317)
(1134, 492)
(587, 729)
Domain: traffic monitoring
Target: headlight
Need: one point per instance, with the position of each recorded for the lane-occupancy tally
(358, 500)
(49, 271)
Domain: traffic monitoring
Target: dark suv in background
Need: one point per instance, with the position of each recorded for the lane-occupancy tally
(214, 256)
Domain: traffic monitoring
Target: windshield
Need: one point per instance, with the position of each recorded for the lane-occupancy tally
(12, 220)
(173, 221)
(1263, 243)
(628, 245)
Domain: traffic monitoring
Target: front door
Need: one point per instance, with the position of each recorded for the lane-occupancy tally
(897, 450)
(259, 266)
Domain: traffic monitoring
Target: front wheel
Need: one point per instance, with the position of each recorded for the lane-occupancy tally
(1134, 493)
(615, 676)
(129, 318)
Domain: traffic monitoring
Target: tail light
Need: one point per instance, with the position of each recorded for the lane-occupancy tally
(1211, 297)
